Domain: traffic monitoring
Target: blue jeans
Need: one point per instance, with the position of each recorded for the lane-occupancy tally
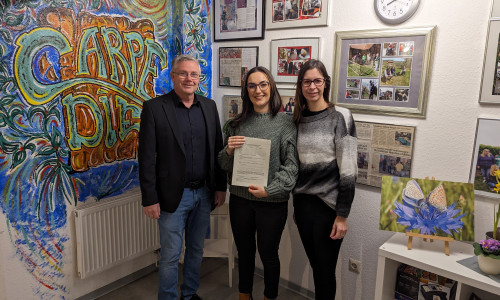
(192, 217)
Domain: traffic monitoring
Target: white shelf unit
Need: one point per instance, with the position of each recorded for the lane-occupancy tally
(430, 257)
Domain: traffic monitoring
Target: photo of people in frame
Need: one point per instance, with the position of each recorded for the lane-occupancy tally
(386, 93)
(406, 48)
(291, 59)
(352, 94)
(369, 88)
(288, 104)
(310, 8)
(363, 160)
(364, 60)
(352, 83)
(396, 71)
(390, 49)
(401, 95)
(393, 165)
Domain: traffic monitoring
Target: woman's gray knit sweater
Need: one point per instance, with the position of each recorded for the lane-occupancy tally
(327, 147)
(283, 163)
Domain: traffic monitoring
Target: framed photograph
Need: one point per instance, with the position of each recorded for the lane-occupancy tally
(383, 149)
(296, 13)
(234, 64)
(490, 82)
(486, 157)
(288, 56)
(287, 101)
(238, 20)
(233, 105)
(391, 68)
(427, 206)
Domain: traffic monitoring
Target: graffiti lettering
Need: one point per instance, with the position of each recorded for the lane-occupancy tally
(105, 74)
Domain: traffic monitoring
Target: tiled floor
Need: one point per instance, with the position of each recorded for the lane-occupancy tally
(214, 285)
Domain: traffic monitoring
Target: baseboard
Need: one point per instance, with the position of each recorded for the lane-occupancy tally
(119, 283)
(289, 285)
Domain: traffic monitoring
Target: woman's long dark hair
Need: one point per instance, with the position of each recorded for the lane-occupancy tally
(274, 101)
(300, 100)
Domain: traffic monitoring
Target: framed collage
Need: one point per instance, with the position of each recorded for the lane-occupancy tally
(383, 71)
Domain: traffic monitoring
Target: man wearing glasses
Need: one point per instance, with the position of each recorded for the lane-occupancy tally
(180, 178)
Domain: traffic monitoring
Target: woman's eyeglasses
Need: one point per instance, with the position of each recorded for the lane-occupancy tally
(264, 85)
(317, 82)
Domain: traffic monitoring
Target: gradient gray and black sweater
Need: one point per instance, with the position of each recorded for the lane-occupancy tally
(327, 147)
(283, 163)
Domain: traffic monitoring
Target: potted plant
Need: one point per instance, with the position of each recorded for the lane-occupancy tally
(488, 256)
(495, 234)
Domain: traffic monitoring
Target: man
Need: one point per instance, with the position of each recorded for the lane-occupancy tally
(179, 141)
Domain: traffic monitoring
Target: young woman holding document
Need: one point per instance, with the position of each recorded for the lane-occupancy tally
(322, 197)
(254, 208)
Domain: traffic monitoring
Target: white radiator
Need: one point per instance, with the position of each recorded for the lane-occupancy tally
(112, 232)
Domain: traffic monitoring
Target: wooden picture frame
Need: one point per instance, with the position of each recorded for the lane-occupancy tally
(238, 20)
(397, 59)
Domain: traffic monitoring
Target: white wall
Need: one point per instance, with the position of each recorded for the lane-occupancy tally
(443, 140)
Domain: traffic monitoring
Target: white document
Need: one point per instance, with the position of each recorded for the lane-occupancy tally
(251, 162)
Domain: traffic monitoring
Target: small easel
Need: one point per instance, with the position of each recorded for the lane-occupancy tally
(446, 240)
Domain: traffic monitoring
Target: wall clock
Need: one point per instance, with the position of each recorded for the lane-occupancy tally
(395, 11)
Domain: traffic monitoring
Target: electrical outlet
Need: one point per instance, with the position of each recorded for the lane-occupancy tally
(354, 265)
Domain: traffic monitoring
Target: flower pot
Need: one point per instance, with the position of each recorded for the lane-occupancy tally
(489, 234)
(489, 265)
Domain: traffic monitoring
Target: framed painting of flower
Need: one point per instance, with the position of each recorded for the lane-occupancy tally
(432, 207)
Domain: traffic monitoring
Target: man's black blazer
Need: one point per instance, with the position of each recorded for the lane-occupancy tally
(162, 158)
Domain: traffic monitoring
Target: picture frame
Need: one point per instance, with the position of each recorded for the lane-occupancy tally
(282, 14)
(490, 79)
(287, 101)
(397, 59)
(233, 20)
(391, 155)
(480, 173)
(234, 64)
(233, 105)
(288, 55)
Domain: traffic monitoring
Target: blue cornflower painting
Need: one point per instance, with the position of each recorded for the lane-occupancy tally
(425, 206)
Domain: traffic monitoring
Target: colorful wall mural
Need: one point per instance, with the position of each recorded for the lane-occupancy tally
(73, 77)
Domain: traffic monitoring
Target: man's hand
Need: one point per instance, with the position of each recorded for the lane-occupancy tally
(258, 191)
(152, 211)
(220, 198)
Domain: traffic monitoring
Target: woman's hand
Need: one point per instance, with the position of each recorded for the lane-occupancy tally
(234, 142)
(258, 191)
(339, 228)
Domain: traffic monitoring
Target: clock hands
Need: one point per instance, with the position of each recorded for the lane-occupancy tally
(391, 2)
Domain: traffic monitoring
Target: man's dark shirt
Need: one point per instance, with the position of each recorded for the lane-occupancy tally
(194, 135)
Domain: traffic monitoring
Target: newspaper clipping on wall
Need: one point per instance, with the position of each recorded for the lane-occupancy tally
(234, 64)
(233, 105)
(383, 149)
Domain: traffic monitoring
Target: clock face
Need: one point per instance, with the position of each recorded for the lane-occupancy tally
(395, 11)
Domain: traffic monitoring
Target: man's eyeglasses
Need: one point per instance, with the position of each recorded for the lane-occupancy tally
(264, 85)
(186, 74)
(317, 82)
